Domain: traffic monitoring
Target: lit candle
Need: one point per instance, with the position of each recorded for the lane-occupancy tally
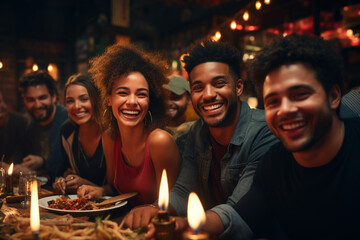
(164, 224)
(9, 180)
(34, 210)
(196, 219)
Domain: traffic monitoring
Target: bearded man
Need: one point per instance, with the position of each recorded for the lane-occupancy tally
(43, 135)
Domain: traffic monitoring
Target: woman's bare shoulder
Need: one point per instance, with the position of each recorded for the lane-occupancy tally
(160, 137)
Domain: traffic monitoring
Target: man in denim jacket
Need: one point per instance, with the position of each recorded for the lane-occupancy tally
(223, 147)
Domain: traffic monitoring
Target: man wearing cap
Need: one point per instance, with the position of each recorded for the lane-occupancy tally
(176, 105)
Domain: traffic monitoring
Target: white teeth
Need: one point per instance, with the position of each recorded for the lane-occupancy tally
(212, 107)
(293, 126)
(130, 112)
(80, 114)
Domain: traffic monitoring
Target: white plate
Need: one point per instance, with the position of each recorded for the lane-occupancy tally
(43, 203)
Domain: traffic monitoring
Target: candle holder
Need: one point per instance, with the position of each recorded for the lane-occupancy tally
(164, 225)
(190, 235)
(36, 235)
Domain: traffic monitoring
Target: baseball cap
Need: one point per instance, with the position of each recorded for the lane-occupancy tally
(177, 85)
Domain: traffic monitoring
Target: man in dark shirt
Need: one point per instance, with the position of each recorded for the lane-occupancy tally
(12, 133)
(307, 186)
(43, 135)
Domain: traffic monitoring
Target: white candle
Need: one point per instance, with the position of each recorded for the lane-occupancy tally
(34, 209)
(196, 219)
(164, 192)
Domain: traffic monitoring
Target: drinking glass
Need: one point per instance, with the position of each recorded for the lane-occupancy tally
(25, 179)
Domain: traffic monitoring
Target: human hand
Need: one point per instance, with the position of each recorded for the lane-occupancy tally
(73, 182)
(32, 161)
(4, 165)
(59, 185)
(88, 191)
(20, 168)
(140, 216)
(68, 172)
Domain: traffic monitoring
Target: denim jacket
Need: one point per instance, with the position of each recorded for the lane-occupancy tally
(250, 141)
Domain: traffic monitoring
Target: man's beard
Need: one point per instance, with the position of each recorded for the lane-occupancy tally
(49, 111)
(229, 115)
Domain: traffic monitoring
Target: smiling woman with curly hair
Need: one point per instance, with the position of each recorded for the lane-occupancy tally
(136, 149)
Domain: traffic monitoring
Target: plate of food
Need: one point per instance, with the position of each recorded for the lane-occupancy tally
(77, 206)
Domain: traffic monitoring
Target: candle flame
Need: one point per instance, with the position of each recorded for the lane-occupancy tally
(163, 192)
(10, 170)
(195, 213)
(34, 208)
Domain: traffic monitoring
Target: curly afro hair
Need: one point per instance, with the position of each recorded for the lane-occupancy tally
(312, 51)
(211, 51)
(119, 60)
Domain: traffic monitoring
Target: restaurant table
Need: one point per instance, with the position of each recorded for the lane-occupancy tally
(116, 215)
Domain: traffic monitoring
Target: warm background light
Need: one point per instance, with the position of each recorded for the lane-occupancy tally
(10, 170)
(164, 192)
(233, 25)
(258, 5)
(35, 67)
(34, 208)
(267, 2)
(50, 68)
(246, 16)
(218, 35)
(1, 65)
(195, 213)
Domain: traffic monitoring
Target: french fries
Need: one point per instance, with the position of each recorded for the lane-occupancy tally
(102, 230)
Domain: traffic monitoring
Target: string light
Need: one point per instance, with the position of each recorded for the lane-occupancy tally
(1, 65)
(35, 67)
(50, 68)
(258, 5)
(233, 25)
(236, 23)
(217, 36)
(246, 16)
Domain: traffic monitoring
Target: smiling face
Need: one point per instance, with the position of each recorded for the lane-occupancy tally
(78, 104)
(176, 105)
(214, 93)
(129, 99)
(39, 103)
(297, 108)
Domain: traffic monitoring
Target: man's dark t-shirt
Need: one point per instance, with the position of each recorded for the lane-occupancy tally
(307, 203)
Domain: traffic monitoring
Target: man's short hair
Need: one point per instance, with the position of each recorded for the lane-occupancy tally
(212, 51)
(38, 78)
(312, 51)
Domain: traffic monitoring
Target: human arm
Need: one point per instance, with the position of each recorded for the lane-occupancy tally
(164, 155)
(242, 166)
(89, 191)
(108, 144)
(32, 162)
